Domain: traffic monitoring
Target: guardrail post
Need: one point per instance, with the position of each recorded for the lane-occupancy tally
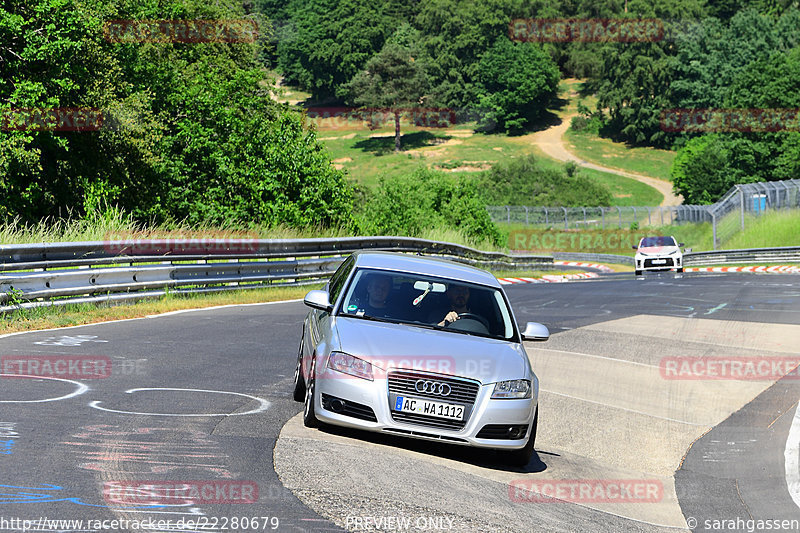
(546, 219)
(603, 213)
(714, 228)
(620, 217)
(508, 214)
(526, 216)
(584, 218)
(566, 220)
(649, 222)
(741, 205)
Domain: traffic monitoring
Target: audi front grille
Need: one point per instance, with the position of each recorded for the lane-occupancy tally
(433, 387)
(461, 390)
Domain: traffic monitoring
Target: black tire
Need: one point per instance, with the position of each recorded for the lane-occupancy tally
(299, 393)
(309, 417)
(638, 272)
(680, 269)
(523, 456)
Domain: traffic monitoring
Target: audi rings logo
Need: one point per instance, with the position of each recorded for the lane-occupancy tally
(432, 387)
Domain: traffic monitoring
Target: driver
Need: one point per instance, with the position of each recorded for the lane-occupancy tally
(458, 297)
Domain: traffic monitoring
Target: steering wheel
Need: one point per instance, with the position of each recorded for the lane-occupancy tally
(471, 316)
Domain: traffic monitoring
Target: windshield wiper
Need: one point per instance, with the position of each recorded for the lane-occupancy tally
(374, 318)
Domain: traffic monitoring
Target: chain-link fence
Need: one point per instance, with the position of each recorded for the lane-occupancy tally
(740, 205)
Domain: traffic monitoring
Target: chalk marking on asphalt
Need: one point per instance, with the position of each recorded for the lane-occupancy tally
(77, 392)
(263, 404)
(626, 409)
(792, 458)
(717, 308)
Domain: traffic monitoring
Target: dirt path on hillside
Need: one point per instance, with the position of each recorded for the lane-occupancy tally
(551, 141)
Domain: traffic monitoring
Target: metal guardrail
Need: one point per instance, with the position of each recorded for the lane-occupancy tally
(788, 254)
(59, 273)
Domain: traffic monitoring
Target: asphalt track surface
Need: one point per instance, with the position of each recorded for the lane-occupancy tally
(204, 397)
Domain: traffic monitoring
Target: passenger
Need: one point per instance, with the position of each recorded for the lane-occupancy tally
(378, 289)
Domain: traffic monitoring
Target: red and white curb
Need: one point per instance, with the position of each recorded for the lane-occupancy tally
(550, 278)
(560, 278)
(602, 268)
(778, 269)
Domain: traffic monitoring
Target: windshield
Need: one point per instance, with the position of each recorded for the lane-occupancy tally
(657, 241)
(427, 301)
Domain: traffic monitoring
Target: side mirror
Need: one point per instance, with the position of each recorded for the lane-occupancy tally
(635, 247)
(535, 332)
(318, 300)
(681, 243)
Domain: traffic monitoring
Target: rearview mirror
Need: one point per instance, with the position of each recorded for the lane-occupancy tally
(318, 299)
(430, 287)
(535, 332)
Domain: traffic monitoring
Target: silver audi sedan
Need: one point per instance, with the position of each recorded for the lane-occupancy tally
(419, 347)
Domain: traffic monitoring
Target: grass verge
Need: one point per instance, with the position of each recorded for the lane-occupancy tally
(646, 161)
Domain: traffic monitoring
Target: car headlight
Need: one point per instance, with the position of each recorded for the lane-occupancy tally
(347, 364)
(515, 389)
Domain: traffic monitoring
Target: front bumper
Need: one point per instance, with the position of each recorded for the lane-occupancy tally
(361, 396)
(658, 263)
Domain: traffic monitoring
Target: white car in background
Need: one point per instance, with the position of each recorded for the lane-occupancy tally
(658, 254)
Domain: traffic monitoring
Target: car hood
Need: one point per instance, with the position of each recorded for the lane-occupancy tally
(658, 250)
(389, 346)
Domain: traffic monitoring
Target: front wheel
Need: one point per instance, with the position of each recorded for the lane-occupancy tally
(638, 272)
(299, 393)
(680, 269)
(309, 417)
(523, 456)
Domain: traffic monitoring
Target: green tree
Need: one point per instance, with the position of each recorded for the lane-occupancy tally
(392, 79)
(516, 82)
(327, 42)
(191, 129)
(699, 170)
(455, 33)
